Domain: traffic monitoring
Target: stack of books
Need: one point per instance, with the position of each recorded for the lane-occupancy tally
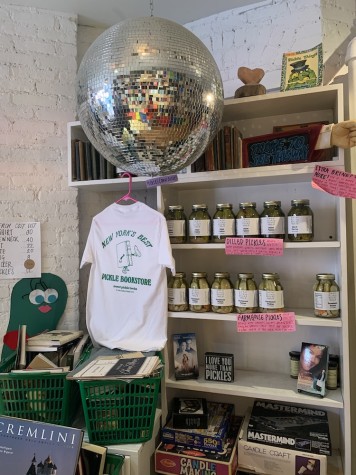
(52, 350)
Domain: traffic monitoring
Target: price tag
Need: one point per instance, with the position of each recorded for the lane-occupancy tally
(266, 322)
(254, 246)
(161, 180)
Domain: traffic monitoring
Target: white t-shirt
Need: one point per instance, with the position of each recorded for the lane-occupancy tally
(128, 248)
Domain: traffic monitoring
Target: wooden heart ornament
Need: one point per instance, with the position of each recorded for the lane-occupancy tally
(250, 76)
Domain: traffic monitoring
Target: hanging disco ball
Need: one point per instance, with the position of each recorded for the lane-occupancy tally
(150, 96)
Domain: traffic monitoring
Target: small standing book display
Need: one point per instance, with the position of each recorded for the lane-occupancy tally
(313, 366)
(185, 356)
(37, 447)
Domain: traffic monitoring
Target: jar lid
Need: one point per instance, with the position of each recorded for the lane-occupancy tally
(335, 358)
(224, 205)
(295, 354)
(332, 364)
(271, 203)
(272, 275)
(325, 276)
(246, 275)
(198, 274)
(173, 207)
(300, 202)
(200, 206)
(179, 275)
(223, 275)
(248, 204)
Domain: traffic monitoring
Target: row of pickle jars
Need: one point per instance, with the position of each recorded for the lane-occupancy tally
(245, 296)
(200, 228)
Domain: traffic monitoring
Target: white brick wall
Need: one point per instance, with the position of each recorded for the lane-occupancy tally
(37, 77)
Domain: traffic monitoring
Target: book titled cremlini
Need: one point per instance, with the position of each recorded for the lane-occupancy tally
(38, 447)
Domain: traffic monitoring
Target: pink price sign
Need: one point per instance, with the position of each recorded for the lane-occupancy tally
(266, 322)
(333, 181)
(254, 246)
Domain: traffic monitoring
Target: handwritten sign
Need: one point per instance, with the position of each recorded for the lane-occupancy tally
(333, 181)
(279, 148)
(266, 322)
(161, 180)
(254, 246)
(20, 250)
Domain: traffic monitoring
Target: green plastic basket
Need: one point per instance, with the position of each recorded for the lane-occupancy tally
(39, 397)
(116, 411)
(113, 464)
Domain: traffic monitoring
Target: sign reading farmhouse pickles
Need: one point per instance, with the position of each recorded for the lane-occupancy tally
(281, 148)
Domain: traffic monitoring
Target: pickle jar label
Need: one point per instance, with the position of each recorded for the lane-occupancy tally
(199, 296)
(248, 226)
(177, 296)
(199, 227)
(223, 227)
(176, 227)
(271, 299)
(272, 225)
(300, 224)
(326, 300)
(222, 297)
(246, 298)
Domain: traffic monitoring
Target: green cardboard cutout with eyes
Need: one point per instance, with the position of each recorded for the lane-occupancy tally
(37, 303)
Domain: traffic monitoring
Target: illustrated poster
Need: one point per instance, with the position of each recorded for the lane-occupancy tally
(20, 250)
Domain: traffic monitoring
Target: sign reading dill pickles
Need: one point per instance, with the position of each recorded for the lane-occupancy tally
(219, 367)
(280, 148)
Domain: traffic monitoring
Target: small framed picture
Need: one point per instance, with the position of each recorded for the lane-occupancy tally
(313, 367)
(91, 459)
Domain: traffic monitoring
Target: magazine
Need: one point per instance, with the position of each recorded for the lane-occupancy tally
(27, 445)
(185, 356)
(123, 366)
(313, 366)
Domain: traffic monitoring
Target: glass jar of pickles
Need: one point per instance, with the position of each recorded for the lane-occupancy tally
(223, 222)
(199, 224)
(272, 220)
(326, 296)
(178, 293)
(176, 224)
(247, 220)
(222, 293)
(270, 294)
(300, 221)
(199, 293)
(246, 294)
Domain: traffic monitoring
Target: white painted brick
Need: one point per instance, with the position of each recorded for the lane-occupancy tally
(34, 100)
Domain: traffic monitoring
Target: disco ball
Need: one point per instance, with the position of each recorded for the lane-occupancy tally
(150, 96)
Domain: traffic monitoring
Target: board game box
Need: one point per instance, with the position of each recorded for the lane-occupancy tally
(179, 460)
(212, 438)
(263, 459)
(288, 426)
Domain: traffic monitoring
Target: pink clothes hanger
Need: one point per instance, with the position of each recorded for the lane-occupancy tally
(128, 195)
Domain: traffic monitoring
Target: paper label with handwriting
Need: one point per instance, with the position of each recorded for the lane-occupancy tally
(333, 181)
(254, 246)
(266, 322)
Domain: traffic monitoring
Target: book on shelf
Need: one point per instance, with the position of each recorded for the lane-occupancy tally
(54, 338)
(29, 445)
(41, 361)
(185, 356)
(123, 366)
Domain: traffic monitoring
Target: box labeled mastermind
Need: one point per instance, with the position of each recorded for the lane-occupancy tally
(212, 438)
(265, 459)
(178, 460)
(288, 426)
